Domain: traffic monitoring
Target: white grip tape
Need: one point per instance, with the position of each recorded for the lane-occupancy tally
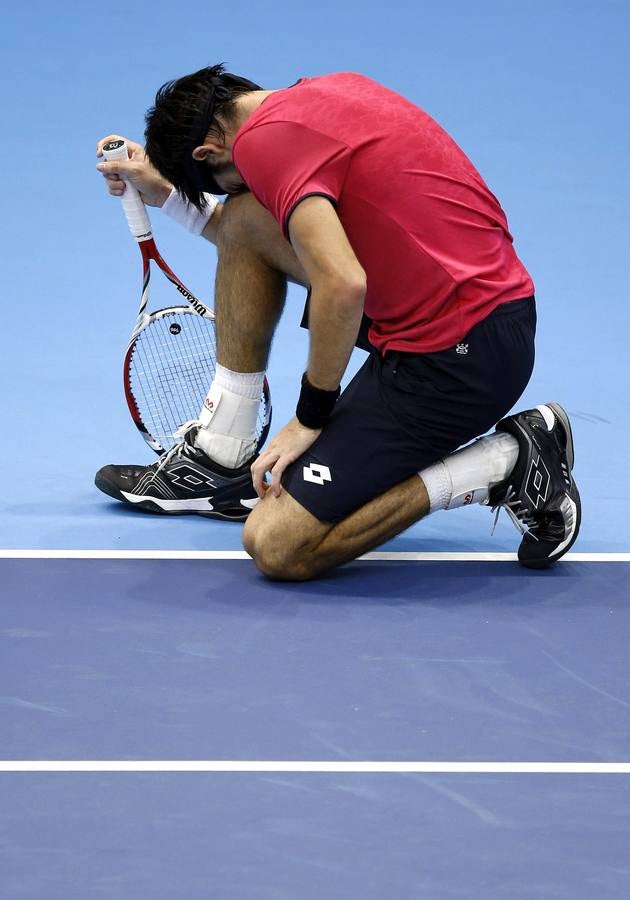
(135, 211)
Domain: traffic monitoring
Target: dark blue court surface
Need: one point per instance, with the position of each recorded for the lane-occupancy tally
(314, 837)
(159, 659)
(110, 659)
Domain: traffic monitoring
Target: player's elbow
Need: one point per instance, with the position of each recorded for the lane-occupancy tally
(339, 298)
(356, 284)
(350, 287)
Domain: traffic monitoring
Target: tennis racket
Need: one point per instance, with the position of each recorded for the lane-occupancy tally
(171, 358)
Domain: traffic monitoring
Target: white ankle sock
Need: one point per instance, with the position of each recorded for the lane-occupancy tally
(228, 417)
(467, 475)
(245, 384)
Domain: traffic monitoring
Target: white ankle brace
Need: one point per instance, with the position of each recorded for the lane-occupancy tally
(467, 475)
(228, 426)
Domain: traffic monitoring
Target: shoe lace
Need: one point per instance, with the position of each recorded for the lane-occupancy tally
(523, 520)
(179, 449)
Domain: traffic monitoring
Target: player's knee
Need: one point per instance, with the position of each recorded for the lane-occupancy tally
(238, 219)
(275, 556)
(246, 227)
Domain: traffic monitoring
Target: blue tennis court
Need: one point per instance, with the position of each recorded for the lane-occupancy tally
(428, 723)
(290, 691)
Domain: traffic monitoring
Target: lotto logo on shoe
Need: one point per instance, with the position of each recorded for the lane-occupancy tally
(317, 474)
(190, 479)
(537, 484)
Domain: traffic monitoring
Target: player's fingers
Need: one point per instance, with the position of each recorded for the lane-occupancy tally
(276, 474)
(135, 149)
(115, 184)
(258, 470)
(116, 171)
(137, 152)
(113, 167)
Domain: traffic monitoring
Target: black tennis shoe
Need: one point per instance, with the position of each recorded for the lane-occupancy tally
(183, 481)
(540, 494)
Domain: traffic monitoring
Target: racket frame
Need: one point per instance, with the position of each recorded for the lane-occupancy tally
(141, 229)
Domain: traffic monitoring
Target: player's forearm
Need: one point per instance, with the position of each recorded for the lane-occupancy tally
(335, 313)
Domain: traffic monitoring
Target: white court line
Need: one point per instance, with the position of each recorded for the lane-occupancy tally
(317, 767)
(400, 556)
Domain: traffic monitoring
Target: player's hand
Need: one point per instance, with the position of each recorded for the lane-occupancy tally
(154, 189)
(283, 449)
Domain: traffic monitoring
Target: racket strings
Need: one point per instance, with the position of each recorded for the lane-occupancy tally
(170, 372)
(174, 376)
(164, 394)
(172, 367)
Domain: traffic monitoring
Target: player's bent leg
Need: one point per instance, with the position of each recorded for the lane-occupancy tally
(249, 295)
(249, 230)
(289, 543)
(254, 264)
(246, 222)
(525, 466)
(280, 535)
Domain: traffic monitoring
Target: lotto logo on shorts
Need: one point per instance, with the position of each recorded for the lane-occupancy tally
(317, 474)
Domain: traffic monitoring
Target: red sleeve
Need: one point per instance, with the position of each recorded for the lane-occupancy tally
(284, 162)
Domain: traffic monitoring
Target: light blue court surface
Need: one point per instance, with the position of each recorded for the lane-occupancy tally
(386, 661)
(533, 91)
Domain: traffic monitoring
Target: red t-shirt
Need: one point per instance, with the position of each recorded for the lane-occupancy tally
(431, 237)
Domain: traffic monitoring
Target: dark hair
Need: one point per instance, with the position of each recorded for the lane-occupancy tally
(185, 110)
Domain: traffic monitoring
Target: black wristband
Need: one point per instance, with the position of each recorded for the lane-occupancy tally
(315, 404)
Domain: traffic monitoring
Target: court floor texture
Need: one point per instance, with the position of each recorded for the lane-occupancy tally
(431, 722)
(183, 727)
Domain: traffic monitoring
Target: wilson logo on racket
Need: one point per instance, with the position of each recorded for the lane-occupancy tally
(196, 305)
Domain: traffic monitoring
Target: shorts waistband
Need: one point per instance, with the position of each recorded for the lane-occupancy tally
(510, 308)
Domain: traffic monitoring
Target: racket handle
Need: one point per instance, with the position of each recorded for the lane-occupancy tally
(135, 210)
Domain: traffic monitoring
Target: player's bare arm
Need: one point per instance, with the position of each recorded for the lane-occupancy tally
(338, 285)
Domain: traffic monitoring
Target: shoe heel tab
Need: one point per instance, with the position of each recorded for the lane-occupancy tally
(562, 416)
(546, 411)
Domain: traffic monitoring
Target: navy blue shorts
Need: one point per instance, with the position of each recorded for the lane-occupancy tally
(404, 411)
